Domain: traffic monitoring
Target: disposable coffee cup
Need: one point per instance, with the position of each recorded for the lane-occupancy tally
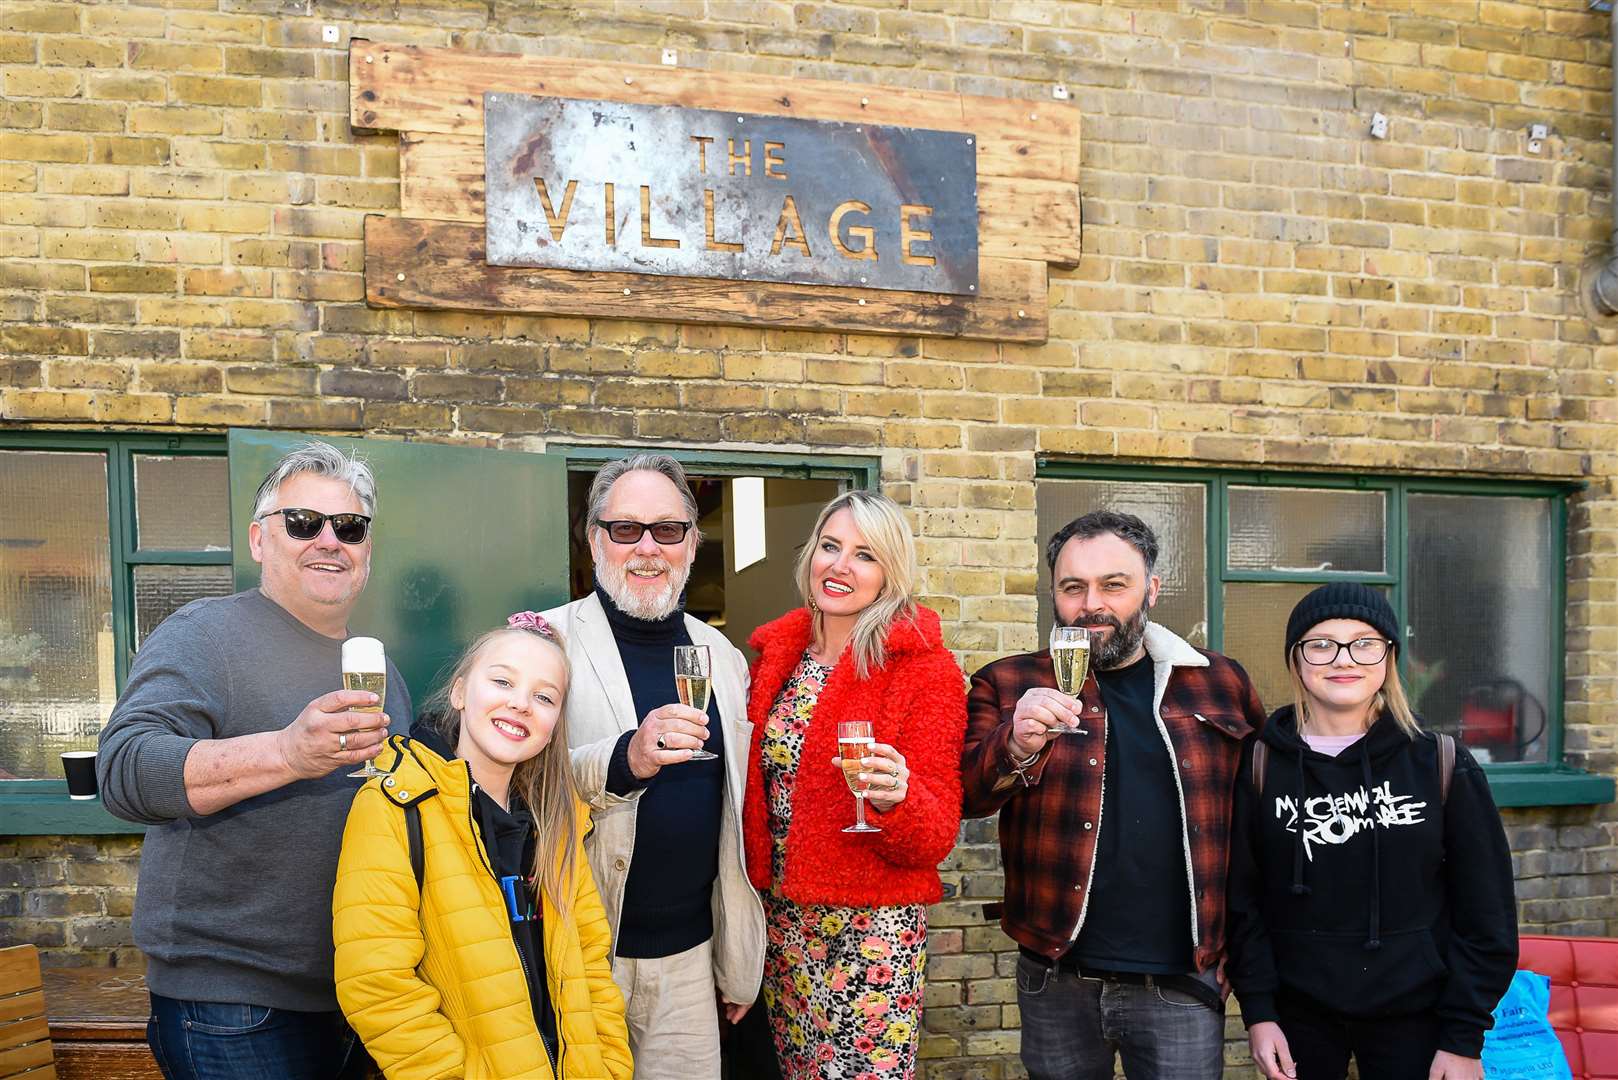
(80, 767)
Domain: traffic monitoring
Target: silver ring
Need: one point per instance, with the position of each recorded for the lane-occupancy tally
(342, 741)
(660, 743)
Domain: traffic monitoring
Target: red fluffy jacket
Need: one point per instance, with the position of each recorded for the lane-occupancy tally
(917, 704)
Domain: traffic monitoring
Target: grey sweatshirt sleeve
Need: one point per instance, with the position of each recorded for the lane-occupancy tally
(178, 693)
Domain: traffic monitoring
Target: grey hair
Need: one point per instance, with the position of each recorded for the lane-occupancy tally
(319, 459)
(613, 471)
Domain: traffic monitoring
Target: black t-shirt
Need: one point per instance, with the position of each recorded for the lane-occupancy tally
(1139, 915)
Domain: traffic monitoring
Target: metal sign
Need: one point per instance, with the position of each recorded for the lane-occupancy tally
(657, 189)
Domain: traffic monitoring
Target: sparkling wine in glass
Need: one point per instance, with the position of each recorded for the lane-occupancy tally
(854, 741)
(1070, 656)
(365, 668)
(693, 681)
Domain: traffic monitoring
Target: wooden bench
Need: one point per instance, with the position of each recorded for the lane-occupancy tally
(98, 1024)
(25, 1044)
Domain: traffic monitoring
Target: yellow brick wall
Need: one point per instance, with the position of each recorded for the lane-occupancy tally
(1262, 284)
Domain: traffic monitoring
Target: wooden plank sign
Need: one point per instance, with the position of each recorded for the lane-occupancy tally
(435, 255)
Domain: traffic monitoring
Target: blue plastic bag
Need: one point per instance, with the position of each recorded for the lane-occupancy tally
(1522, 1045)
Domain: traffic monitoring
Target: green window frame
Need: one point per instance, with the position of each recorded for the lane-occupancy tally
(1547, 783)
(859, 472)
(41, 807)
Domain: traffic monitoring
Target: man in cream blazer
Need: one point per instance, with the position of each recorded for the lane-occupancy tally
(666, 848)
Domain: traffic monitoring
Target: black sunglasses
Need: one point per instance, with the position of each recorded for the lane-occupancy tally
(306, 524)
(630, 532)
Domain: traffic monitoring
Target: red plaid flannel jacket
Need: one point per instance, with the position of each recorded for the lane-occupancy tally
(1050, 811)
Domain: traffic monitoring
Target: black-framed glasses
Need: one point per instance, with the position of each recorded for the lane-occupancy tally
(630, 532)
(306, 524)
(1321, 651)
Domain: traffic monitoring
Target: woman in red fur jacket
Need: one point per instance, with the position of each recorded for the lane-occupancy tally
(847, 928)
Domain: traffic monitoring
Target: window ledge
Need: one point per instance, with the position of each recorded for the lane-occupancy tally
(42, 808)
(1548, 786)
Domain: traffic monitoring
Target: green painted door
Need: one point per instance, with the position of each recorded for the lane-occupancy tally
(463, 537)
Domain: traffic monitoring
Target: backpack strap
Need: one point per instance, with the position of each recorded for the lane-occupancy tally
(1446, 764)
(418, 862)
(1261, 761)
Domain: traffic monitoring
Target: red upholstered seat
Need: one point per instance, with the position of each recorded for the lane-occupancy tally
(1584, 998)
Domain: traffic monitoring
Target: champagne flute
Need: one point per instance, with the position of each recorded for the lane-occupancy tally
(365, 668)
(1070, 656)
(693, 682)
(854, 741)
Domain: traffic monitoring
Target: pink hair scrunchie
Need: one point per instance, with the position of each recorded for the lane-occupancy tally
(534, 621)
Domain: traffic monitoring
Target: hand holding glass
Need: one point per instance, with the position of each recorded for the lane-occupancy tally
(692, 682)
(854, 741)
(1070, 656)
(365, 668)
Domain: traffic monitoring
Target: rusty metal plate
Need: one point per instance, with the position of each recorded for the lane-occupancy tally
(659, 189)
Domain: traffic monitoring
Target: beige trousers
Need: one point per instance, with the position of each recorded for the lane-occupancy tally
(673, 1014)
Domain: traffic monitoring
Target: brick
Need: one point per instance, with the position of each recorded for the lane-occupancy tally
(146, 279)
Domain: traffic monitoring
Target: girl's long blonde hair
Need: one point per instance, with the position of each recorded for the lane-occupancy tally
(1390, 699)
(887, 534)
(544, 782)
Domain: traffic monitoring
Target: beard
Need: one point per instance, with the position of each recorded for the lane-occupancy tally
(614, 578)
(1116, 648)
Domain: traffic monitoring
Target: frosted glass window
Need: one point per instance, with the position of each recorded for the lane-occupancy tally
(1176, 512)
(1483, 620)
(57, 672)
(160, 591)
(182, 503)
(1307, 530)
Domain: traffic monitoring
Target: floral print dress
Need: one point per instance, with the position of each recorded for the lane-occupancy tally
(842, 984)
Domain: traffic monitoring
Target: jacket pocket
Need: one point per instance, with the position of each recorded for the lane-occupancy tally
(1336, 969)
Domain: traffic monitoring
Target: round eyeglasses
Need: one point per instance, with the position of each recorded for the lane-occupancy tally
(1322, 651)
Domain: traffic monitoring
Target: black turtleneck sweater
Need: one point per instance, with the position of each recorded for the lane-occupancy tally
(668, 899)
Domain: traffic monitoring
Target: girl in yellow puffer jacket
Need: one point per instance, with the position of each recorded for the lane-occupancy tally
(471, 942)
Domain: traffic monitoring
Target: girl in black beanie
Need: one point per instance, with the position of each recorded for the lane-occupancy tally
(1370, 894)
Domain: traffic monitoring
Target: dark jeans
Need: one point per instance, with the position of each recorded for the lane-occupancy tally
(205, 1040)
(1385, 1048)
(1072, 1027)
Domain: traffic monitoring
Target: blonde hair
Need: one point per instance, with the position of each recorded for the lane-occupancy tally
(1390, 699)
(544, 781)
(887, 535)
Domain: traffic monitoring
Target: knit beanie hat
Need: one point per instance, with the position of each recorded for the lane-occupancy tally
(1343, 600)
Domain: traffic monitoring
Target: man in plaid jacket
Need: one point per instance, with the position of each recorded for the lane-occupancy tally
(1114, 820)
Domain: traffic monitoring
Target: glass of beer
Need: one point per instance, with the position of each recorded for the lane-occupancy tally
(365, 668)
(1070, 656)
(693, 682)
(854, 741)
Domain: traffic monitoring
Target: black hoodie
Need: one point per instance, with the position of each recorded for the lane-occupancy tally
(1388, 900)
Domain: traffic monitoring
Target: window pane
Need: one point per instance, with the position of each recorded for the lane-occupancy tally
(1256, 633)
(182, 503)
(1482, 610)
(1176, 512)
(57, 679)
(1310, 529)
(160, 591)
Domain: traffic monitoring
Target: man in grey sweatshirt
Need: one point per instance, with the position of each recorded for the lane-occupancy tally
(231, 743)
